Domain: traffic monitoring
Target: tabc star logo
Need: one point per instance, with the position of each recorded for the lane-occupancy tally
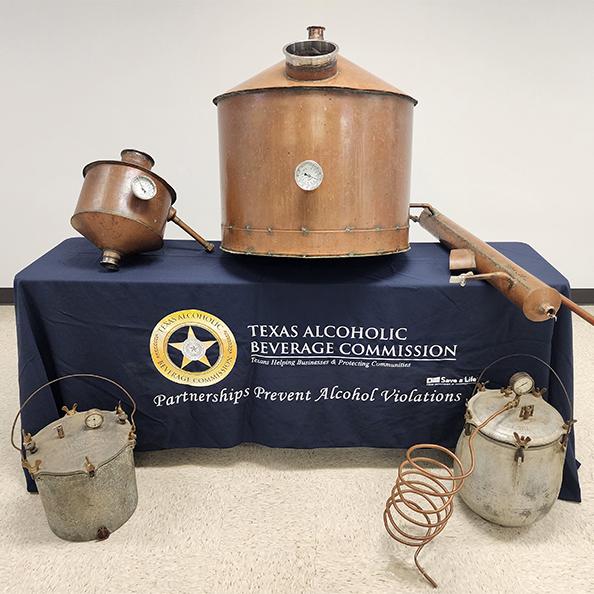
(193, 347)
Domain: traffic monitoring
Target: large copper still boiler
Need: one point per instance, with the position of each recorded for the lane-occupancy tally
(315, 156)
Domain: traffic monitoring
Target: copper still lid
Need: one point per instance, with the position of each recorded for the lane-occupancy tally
(312, 64)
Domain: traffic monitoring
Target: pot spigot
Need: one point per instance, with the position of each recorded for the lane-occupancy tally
(110, 260)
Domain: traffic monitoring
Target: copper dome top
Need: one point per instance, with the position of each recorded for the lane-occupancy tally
(314, 64)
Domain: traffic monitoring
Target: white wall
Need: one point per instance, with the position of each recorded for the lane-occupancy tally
(504, 129)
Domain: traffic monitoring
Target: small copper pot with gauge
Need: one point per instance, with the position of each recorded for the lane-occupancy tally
(315, 156)
(123, 208)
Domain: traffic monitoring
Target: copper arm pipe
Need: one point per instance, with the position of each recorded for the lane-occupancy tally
(203, 242)
(576, 309)
(537, 300)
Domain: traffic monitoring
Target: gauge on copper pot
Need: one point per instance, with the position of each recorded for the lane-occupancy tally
(309, 175)
(144, 187)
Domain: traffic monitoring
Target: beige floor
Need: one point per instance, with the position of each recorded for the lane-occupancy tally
(252, 519)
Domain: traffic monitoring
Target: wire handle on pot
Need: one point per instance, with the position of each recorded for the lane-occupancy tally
(555, 374)
(59, 379)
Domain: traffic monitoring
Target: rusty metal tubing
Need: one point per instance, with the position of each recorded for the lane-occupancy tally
(209, 247)
(538, 301)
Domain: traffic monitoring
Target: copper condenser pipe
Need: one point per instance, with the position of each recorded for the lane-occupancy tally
(576, 309)
(537, 300)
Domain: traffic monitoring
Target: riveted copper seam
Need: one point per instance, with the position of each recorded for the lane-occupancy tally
(251, 252)
(250, 229)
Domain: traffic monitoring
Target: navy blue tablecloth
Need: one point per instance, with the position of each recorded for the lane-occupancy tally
(220, 349)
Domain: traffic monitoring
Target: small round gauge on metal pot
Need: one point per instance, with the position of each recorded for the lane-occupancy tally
(521, 383)
(94, 419)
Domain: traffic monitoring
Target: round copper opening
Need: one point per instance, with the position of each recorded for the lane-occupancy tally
(313, 59)
(315, 47)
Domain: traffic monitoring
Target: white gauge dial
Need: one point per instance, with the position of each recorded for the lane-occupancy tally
(309, 175)
(144, 187)
(521, 383)
(94, 420)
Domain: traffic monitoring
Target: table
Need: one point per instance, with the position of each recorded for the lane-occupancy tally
(220, 349)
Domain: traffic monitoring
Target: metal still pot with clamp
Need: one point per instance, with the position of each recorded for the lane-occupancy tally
(507, 467)
(83, 467)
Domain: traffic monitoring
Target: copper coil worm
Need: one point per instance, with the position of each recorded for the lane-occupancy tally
(424, 497)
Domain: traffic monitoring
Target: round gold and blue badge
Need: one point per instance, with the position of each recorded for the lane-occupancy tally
(193, 347)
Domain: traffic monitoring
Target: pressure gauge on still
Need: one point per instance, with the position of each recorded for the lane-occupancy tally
(94, 420)
(521, 383)
(309, 175)
(144, 187)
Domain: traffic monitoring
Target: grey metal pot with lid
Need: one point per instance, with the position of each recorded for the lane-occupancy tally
(83, 467)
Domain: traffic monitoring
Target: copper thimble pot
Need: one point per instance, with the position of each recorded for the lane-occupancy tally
(315, 156)
(123, 207)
